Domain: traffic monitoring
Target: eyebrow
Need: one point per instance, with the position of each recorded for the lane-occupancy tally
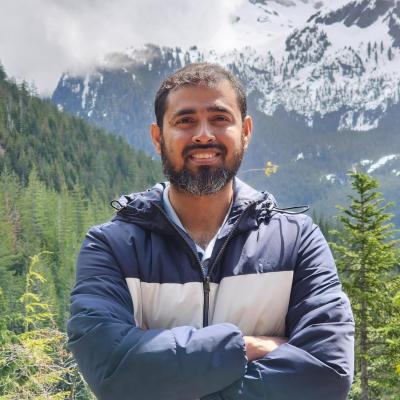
(186, 111)
(218, 109)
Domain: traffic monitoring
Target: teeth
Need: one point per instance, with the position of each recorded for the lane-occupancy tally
(203, 155)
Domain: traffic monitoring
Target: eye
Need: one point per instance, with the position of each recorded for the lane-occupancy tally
(184, 121)
(220, 118)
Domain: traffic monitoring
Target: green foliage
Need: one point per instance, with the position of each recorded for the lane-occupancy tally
(326, 224)
(35, 312)
(36, 364)
(5, 334)
(3, 75)
(34, 290)
(66, 152)
(367, 257)
(56, 176)
(38, 220)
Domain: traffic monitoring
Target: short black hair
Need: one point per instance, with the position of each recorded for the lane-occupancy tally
(197, 74)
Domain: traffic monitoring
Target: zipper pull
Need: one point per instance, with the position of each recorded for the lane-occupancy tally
(204, 268)
(206, 292)
(206, 283)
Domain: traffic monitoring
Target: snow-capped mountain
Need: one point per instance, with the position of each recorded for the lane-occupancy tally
(322, 77)
(345, 60)
(267, 23)
(304, 57)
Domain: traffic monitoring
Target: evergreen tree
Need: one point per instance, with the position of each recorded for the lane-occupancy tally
(35, 364)
(324, 223)
(64, 149)
(5, 333)
(36, 312)
(3, 75)
(366, 256)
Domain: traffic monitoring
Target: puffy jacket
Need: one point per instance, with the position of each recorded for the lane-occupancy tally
(147, 324)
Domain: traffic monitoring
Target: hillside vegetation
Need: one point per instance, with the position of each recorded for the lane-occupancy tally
(57, 175)
(65, 150)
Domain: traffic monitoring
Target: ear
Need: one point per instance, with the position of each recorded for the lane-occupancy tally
(247, 130)
(155, 133)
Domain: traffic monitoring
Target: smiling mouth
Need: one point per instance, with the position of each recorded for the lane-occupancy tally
(204, 156)
(199, 152)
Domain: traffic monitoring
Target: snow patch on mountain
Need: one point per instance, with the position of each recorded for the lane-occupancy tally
(365, 162)
(267, 23)
(85, 91)
(358, 121)
(330, 177)
(382, 161)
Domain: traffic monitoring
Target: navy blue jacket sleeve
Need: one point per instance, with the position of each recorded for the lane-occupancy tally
(121, 361)
(317, 362)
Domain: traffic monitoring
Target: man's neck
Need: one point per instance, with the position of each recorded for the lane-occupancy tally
(201, 216)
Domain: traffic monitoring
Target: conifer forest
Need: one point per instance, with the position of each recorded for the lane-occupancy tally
(57, 177)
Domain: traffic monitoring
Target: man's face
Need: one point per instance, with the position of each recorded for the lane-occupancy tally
(203, 138)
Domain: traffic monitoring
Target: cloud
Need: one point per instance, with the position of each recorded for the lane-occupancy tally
(40, 39)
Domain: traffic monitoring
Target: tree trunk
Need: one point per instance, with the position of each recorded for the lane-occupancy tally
(363, 314)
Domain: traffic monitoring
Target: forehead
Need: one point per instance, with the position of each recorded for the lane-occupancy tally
(201, 97)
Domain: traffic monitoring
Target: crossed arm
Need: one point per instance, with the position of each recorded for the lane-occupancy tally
(121, 361)
(259, 346)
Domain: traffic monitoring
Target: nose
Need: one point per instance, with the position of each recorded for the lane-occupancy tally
(204, 134)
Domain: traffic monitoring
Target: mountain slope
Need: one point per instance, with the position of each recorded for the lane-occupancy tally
(64, 149)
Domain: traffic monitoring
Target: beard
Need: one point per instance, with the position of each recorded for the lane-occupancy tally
(206, 180)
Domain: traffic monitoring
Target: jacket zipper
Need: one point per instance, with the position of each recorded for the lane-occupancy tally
(206, 295)
(206, 277)
(206, 282)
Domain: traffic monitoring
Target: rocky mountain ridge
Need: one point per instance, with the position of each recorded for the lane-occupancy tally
(317, 74)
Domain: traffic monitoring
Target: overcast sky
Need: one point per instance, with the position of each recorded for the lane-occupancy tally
(40, 39)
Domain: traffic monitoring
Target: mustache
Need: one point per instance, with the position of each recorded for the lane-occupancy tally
(221, 148)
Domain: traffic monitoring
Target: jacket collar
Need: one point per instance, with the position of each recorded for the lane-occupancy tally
(146, 208)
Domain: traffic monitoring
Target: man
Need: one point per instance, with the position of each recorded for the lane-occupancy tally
(201, 287)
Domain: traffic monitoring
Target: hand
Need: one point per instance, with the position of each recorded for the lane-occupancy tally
(259, 346)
